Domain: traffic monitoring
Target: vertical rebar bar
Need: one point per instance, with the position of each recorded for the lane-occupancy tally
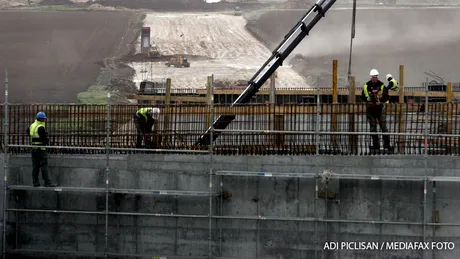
(107, 151)
(211, 151)
(5, 163)
(425, 182)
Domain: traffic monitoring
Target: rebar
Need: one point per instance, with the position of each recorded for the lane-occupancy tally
(212, 172)
(334, 133)
(6, 164)
(119, 149)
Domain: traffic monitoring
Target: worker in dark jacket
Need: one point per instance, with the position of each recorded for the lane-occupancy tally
(144, 118)
(39, 137)
(375, 94)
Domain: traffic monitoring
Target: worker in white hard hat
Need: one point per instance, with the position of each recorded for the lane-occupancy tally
(392, 83)
(144, 118)
(376, 95)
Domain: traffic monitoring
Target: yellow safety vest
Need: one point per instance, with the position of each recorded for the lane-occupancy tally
(366, 93)
(395, 86)
(143, 112)
(33, 132)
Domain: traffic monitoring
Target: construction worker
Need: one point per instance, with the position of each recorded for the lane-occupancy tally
(39, 137)
(144, 118)
(392, 83)
(375, 94)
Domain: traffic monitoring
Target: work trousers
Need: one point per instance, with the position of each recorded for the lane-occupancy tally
(40, 161)
(376, 115)
(142, 129)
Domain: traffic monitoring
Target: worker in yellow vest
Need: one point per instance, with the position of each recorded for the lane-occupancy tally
(392, 83)
(375, 94)
(39, 137)
(144, 118)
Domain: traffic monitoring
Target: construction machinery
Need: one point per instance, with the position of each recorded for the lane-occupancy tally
(237, 11)
(178, 61)
(154, 52)
(148, 87)
(289, 43)
(145, 40)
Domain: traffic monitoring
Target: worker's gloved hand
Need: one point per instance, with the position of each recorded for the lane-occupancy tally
(369, 99)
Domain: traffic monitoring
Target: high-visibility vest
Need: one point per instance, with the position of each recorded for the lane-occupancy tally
(366, 93)
(395, 86)
(143, 112)
(33, 132)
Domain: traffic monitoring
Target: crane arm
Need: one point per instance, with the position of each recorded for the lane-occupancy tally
(289, 43)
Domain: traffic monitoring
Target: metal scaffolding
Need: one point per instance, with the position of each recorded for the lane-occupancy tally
(213, 194)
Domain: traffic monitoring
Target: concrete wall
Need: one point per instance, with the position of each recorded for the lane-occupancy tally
(251, 196)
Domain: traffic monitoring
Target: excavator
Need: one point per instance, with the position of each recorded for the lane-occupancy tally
(178, 61)
(289, 43)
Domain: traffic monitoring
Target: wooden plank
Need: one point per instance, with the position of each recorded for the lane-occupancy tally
(314, 92)
(335, 99)
(353, 139)
(174, 98)
(167, 111)
(208, 102)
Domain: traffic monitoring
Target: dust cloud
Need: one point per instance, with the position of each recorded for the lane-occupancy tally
(387, 31)
(422, 40)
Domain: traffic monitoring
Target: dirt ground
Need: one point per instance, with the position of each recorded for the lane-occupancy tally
(52, 56)
(181, 5)
(229, 51)
(421, 39)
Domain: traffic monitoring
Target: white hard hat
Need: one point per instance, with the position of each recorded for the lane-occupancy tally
(155, 112)
(388, 76)
(374, 72)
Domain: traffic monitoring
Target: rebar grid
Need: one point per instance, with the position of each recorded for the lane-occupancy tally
(257, 129)
(211, 194)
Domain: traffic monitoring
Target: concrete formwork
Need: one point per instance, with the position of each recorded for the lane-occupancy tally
(264, 217)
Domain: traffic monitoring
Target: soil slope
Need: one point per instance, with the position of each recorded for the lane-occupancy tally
(52, 56)
(180, 5)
